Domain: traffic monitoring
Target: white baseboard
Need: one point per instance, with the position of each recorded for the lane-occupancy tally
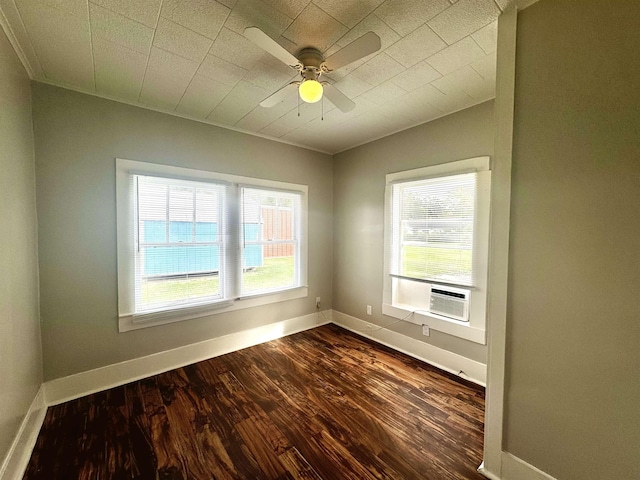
(443, 359)
(486, 473)
(75, 386)
(514, 468)
(19, 454)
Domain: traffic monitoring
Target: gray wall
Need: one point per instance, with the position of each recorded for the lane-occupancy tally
(20, 351)
(573, 358)
(358, 192)
(77, 138)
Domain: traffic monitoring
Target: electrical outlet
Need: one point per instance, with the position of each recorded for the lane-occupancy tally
(425, 330)
(318, 303)
(369, 310)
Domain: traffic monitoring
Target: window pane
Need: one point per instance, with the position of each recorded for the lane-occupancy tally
(181, 210)
(178, 274)
(435, 228)
(207, 215)
(182, 216)
(269, 241)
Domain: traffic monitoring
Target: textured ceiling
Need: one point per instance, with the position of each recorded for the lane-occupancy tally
(189, 57)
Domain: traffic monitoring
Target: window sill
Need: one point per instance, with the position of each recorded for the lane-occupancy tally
(436, 322)
(128, 322)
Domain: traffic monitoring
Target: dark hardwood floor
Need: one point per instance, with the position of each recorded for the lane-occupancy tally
(321, 404)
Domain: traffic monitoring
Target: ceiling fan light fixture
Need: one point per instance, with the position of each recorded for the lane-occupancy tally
(310, 91)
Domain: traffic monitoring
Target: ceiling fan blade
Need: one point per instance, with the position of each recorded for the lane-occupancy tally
(363, 46)
(338, 98)
(275, 98)
(269, 45)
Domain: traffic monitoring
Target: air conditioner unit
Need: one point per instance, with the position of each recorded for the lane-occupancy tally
(450, 302)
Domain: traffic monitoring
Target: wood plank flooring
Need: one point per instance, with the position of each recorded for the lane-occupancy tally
(321, 404)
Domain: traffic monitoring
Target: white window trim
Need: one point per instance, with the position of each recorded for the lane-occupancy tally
(127, 319)
(475, 329)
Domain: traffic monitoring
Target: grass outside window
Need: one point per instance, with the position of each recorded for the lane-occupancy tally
(432, 262)
(276, 272)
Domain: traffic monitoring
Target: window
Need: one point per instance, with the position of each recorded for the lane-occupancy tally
(193, 243)
(436, 249)
(269, 230)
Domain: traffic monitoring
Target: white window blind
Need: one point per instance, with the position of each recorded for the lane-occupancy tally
(180, 230)
(270, 236)
(433, 229)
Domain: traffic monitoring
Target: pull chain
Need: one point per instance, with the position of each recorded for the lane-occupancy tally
(322, 109)
(298, 104)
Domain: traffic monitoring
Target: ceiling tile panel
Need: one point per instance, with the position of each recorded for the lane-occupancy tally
(272, 62)
(415, 106)
(205, 17)
(62, 42)
(77, 8)
(415, 47)
(290, 8)
(258, 13)
(383, 93)
(235, 48)
(486, 66)
(404, 16)
(352, 86)
(161, 90)
(260, 117)
(399, 109)
(228, 3)
(469, 81)
(416, 76)
(220, 70)
(143, 11)
(315, 28)
(378, 70)
(464, 18)
(276, 130)
(452, 100)
(241, 100)
(172, 65)
(323, 122)
(202, 96)
(487, 37)
(340, 139)
(372, 23)
(455, 56)
(342, 72)
(119, 70)
(348, 12)
(394, 121)
(180, 40)
(362, 105)
(304, 136)
(290, 120)
(119, 29)
(269, 78)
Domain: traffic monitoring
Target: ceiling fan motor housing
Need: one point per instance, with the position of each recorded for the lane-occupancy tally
(312, 61)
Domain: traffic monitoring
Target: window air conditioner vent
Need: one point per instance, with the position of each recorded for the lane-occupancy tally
(450, 302)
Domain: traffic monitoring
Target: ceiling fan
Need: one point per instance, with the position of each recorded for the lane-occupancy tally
(311, 64)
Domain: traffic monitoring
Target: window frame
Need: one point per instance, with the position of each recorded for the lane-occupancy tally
(126, 226)
(475, 329)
